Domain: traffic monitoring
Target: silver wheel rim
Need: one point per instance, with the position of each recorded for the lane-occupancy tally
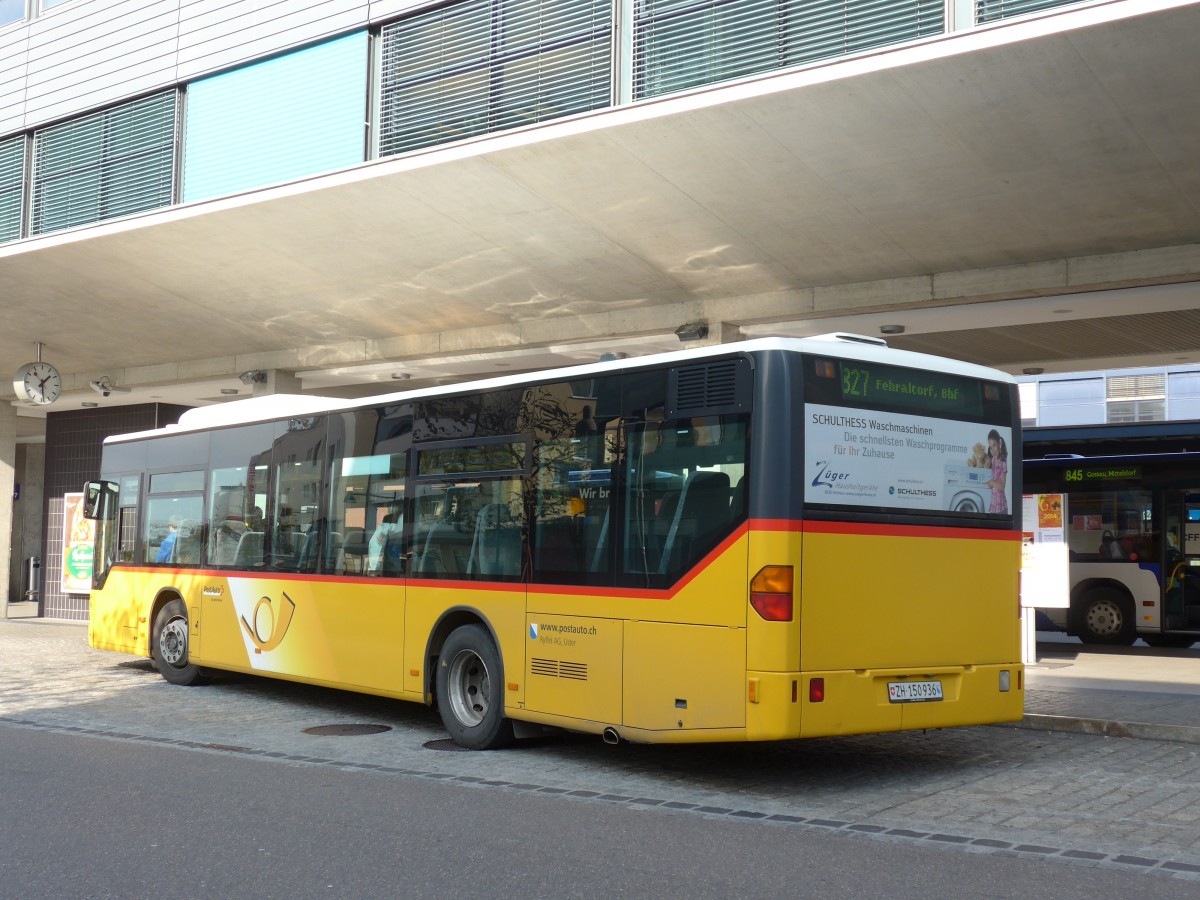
(1104, 618)
(172, 642)
(469, 688)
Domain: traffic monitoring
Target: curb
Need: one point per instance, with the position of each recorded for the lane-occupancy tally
(1186, 734)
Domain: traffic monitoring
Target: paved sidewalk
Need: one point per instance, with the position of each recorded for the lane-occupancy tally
(1122, 692)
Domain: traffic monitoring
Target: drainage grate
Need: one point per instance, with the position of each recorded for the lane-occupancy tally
(444, 744)
(347, 730)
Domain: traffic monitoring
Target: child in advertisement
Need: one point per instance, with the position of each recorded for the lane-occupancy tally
(998, 458)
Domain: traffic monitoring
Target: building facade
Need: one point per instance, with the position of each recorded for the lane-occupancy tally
(294, 189)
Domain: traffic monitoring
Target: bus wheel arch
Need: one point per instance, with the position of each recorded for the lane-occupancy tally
(467, 672)
(170, 640)
(1103, 612)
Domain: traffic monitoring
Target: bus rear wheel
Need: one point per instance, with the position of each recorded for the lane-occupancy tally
(1106, 617)
(169, 645)
(470, 690)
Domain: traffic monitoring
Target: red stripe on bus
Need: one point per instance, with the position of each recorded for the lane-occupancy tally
(801, 526)
(808, 526)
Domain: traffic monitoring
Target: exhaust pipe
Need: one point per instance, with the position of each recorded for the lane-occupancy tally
(610, 736)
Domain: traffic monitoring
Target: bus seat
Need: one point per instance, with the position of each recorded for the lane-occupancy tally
(250, 549)
(1109, 548)
(599, 560)
(495, 543)
(737, 501)
(354, 550)
(702, 511)
(446, 551)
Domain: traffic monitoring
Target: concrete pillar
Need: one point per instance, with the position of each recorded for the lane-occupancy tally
(8, 463)
(277, 382)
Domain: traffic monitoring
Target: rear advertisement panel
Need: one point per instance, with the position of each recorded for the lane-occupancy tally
(855, 457)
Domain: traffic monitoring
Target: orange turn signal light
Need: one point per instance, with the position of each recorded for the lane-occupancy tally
(771, 593)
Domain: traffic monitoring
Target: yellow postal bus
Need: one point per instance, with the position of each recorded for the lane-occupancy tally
(761, 541)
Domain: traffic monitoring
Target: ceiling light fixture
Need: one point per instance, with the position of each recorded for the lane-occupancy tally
(1033, 370)
(891, 329)
(228, 392)
(401, 376)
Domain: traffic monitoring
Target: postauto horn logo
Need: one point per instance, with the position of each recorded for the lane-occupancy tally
(271, 622)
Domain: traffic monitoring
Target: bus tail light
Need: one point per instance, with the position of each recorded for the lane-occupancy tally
(816, 690)
(1005, 681)
(771, 593)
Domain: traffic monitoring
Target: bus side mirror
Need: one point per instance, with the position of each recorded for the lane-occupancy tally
(99, 500)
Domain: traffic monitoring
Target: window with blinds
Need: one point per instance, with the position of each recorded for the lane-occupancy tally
(681, 44)
(110, 163)
(12, 183)
(481, 66)
(1136, 398)
(995, 10)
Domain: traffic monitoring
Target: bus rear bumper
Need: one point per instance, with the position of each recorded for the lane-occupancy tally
(863, 701)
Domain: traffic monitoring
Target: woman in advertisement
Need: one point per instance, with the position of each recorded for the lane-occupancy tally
(998, 455)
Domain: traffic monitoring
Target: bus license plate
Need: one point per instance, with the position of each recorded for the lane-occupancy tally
(914, 691)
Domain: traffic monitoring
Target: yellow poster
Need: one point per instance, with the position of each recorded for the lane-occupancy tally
(1050, 511)
(78, 539)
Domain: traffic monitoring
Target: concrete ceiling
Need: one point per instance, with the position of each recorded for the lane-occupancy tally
(1020, 164)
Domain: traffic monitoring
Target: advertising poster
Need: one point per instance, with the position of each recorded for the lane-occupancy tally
(1045, 559)
(78, 535)
(860, 458)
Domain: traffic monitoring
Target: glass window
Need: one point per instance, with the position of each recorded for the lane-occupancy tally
(235, 529)
(484, 65)
(469, 528)
(576, 428)
(110, 163)
(296, 524)
(11, 11)
(1078, 401)
(174, 530)
(1112, 526)
(367, 492)
(684, 492)
(12, 176)
(1183, 395)
(683, 43)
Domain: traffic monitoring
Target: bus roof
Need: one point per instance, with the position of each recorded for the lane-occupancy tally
(277, 406)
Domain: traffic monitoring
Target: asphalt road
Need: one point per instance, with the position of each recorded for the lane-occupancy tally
(95, 817)
(115, 783)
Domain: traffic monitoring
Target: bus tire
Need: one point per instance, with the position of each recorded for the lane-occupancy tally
(470, 690)
(169, 645)
(1106, 617)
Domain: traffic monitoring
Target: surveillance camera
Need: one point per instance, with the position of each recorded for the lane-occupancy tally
(104, 387)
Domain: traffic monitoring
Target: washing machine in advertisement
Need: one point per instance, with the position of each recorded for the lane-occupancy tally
(966, 488)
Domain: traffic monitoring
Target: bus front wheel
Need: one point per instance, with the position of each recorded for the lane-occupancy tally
(169, 645)
(470, 690)
(1106, 617)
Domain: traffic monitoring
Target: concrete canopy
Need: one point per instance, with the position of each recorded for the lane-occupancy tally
(1006, 166)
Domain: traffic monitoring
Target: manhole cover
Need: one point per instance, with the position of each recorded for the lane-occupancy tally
(347, 730)
(444, 744)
